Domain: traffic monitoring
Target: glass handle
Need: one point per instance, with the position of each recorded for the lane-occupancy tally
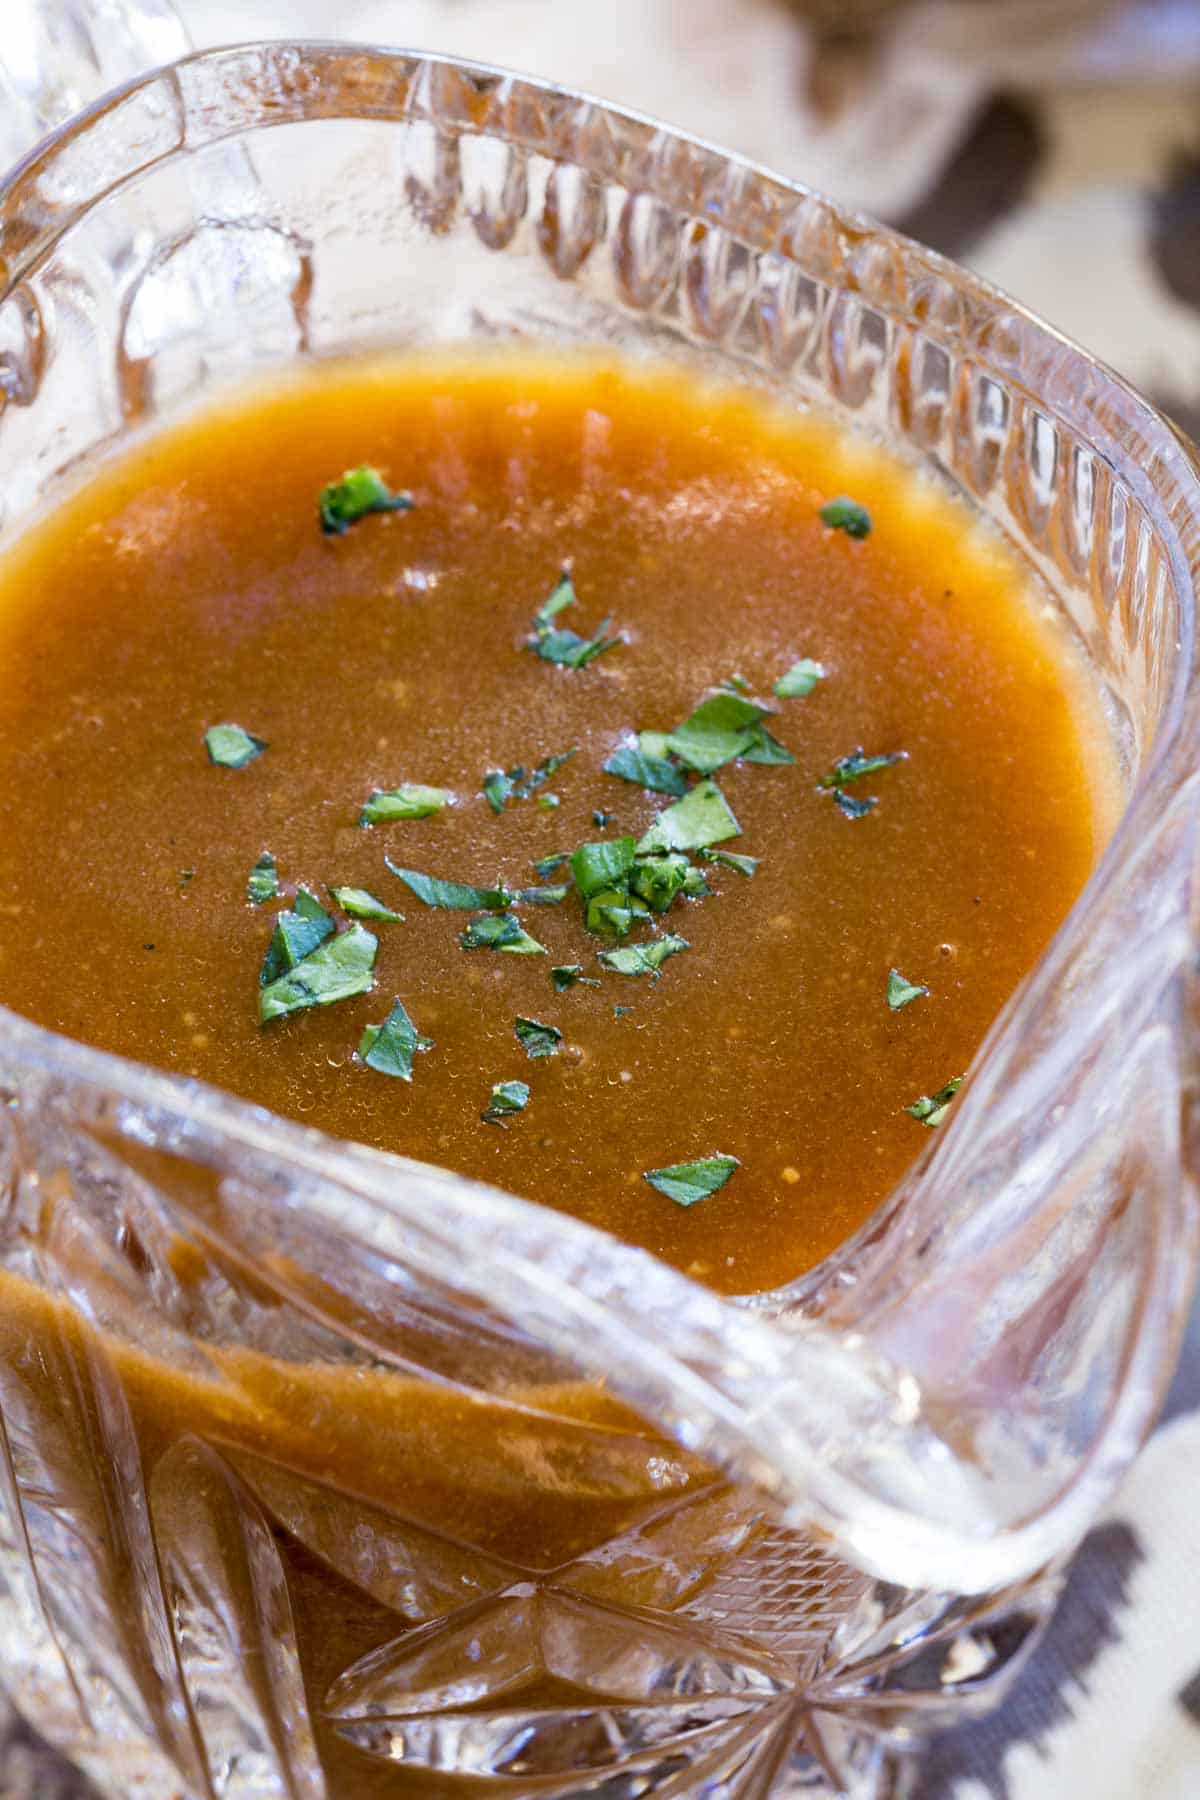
(57, 56)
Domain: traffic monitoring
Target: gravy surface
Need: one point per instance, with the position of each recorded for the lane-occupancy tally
(190, 584)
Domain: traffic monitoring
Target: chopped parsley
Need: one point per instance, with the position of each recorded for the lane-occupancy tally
(853, 809)
(745, 865)
(548, 864)
(554, 643)
(500, 931)
(799, 680)
(848, 516)
(659, 879)
(736, 684)
(232, 746)
(537, 1039)
(614, 910)
(721, 728)
(296, 935)
(508, 1097)
(408, 801)
(599, 866)
(454, 895)
(565, 975)
(856, 765)
(602, 820)
(336, 971)
(497, 788)
(540, 896)
(643, 959)
(652, 772)
(698, 821)
(500, 785)
(901, 992)
(931, 1109)
(360, 491)
(768, 749)
(361, 904)
(389, 1048)
(561, 595)
(548, 802)
(686, 1183)
(262, 884)
(654, 743)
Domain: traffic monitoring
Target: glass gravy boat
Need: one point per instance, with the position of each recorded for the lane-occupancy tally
(818, 1525)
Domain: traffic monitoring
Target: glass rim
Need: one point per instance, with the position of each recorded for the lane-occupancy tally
(1055, 372)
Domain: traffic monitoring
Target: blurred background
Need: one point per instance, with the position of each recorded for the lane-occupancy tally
(1053, 145)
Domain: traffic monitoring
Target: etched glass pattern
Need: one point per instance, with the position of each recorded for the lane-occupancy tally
(831, 1519)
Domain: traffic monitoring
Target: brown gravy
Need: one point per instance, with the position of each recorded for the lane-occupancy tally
(190, 584)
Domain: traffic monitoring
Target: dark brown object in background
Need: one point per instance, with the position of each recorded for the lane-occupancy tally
(848, 34)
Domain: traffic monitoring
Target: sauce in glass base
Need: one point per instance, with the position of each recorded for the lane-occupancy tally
(190, 583)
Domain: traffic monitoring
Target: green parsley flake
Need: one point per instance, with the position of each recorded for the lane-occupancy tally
(548, 864)
(659, 879)
(548, 802)
(565, 976)
(361, 904)
(536, 1039)
(389, 1048)
(931, 1109)
(852, 808)
(701, 819)
(736, 684)
(453, 895)
(408, 801)
(901, 992)
(538, 776)
(599, 866)
(561, 595)
(721, 728)
(296, 935)
(651, 772)
(540, 896)
(686, 1183)
(360, 491)
(654, 744)
(848, 516)
(500, 931)
(501, 786)
(602, 820)
(614, 910)
(729, 859)
(336, 971)
(497, 789)
(856, 765)
(508, 1097)
(232, 746)
(262, 884)
(555, 644)
(643, 959)
(799, 680)
(768, 750)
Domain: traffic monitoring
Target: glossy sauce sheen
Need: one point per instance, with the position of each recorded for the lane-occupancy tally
(190, 584)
